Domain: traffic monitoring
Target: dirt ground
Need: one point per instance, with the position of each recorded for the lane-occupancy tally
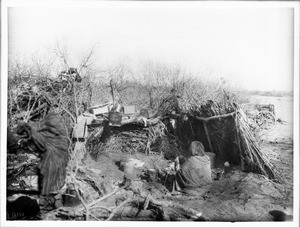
(277, 142)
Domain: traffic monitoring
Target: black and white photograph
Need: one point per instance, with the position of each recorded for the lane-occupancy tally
(149, 112)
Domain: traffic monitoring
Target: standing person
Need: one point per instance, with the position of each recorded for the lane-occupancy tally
(195, 171)
(167, 107)
(169, 104)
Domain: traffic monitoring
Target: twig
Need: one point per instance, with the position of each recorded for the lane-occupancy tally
(68, 112)
(104, 197)
(101, 207)
(29, 110)
(147, 201)
(118, 208)
(79, 195)
(75, 99)
(93, 216)
(84, 63)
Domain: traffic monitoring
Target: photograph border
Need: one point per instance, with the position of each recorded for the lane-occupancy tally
(126, 4)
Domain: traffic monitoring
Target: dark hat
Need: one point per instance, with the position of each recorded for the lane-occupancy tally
(72, 70)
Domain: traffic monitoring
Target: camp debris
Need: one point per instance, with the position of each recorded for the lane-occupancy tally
(262, 116)
(116, 113)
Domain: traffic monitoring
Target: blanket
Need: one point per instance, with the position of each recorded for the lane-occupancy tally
(50, 136)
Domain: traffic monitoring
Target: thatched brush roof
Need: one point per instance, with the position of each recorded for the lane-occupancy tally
(224, 130)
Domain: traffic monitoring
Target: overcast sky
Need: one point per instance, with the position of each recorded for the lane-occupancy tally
(253, 46)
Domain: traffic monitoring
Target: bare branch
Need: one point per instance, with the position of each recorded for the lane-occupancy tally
(62, 53)
(85, 62)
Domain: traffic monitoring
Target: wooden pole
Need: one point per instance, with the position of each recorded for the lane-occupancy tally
(112, 90)
(237, 133)
(214, 117)
(208, 138)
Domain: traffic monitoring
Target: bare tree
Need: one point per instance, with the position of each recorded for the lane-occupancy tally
(117, 75)
(62, 53)
(158, 79)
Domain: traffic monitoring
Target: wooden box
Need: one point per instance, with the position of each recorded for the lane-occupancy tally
(144, 113)
(80, 129)
(129, 109)
(101, 110)
(115, 119)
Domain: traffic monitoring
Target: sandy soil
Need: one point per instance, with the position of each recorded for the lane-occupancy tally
(277, 142)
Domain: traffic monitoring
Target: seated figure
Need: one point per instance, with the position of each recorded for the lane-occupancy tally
(195, 171)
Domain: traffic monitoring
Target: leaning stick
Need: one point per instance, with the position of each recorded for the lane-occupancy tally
(206, 119)
(104, 197)
(118, 208)
(207, 135)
